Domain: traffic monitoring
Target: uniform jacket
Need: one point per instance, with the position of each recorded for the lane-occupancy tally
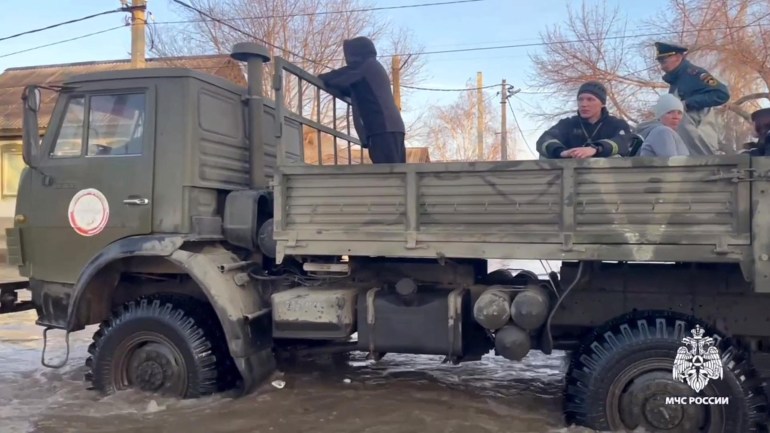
(610, 135)
(696, 87)
(367, 84)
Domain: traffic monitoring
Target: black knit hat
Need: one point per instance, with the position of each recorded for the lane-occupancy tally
(595, 88)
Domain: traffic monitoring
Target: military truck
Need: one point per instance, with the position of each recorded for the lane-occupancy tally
(175, 209)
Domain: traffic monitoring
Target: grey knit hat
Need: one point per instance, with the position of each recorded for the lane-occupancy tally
(667, 102)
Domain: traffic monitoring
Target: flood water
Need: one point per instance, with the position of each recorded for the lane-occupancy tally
(400, 393)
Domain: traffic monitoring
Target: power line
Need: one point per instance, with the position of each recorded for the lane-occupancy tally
(572, 41)
(497, 47)
(467, 89)
(76, 20)
(516, 121)
(308, 14)
(248, 34)
(63, 41)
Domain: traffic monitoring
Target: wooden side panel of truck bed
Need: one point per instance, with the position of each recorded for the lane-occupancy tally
(637, 209)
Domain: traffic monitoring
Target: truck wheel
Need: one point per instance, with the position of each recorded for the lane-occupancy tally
(161, 344)
(620, 377)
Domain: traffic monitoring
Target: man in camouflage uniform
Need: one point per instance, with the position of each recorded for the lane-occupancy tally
(699, 91)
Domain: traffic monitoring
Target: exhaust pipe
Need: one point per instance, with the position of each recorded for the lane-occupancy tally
(255, 57)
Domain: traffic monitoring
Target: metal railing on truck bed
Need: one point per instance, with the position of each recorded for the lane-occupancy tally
(321, 128)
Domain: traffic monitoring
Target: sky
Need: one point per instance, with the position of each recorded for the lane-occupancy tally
(483, 24)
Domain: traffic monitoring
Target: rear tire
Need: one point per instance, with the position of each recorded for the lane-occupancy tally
(620, 376)
(168, 345)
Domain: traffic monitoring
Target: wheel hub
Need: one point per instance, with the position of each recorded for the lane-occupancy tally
(150, 376)
(643, 403)
(153, 367)
(660, 415)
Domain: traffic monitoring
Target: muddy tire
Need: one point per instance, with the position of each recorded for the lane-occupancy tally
(169, 345)
(620, 376)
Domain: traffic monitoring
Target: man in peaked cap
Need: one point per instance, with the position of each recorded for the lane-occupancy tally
(699, 91)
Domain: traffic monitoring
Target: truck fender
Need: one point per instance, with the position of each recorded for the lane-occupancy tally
(160, 246)
(244, 317)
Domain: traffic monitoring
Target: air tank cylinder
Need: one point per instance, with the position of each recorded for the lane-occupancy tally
(529, 308)
(492, 309)
(512, 342)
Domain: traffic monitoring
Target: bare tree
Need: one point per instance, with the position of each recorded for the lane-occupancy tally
(730, 38)
(452, 129)
(309, 33)
(591, 45)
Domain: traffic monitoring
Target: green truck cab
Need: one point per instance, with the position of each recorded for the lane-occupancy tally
(175, 210)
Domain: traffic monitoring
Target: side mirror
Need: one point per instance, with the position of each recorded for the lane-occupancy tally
(31, 133)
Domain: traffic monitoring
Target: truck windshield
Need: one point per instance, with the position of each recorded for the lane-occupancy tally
(115, 125)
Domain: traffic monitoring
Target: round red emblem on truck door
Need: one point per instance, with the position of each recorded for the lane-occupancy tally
(88, 212)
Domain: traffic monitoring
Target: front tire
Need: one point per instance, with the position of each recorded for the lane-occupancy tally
(619, 378)
(165, 345)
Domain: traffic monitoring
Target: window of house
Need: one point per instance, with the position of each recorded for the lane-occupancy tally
(12, 165)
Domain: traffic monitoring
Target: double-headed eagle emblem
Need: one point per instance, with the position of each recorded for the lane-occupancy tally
(697, 361)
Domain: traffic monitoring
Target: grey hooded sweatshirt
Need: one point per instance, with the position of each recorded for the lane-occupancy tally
(660, 140)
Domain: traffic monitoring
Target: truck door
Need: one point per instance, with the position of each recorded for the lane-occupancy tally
(93, 184)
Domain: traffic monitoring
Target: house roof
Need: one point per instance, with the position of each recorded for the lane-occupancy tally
(13, 81)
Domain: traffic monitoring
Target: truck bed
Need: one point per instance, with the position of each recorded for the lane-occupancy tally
(634, 209)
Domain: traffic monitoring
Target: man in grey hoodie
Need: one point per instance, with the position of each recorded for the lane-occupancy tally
(660, 135)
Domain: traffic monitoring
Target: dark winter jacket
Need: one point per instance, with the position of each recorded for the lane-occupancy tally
(367, 84)
(610, 135)
(696, 87)
(760, 147)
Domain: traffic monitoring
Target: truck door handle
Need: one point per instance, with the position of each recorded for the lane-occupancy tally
(136, 201)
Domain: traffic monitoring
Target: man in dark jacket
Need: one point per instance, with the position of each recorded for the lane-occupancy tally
(699, 91)
(592, 133)
(761, 119)
(376, 118)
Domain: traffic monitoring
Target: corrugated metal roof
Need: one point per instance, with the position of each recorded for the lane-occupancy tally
(13, 81)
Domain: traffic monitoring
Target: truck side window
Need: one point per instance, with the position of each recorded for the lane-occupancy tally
(69, 142)
(116, 125)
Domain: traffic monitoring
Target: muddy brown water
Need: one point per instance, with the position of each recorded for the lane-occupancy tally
(400, 393)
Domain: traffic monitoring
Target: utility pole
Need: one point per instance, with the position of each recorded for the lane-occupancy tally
(138, 23)
(480, 117)
(396, 73)
(504, 126)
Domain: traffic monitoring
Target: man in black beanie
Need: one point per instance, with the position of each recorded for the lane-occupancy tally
(592, 133)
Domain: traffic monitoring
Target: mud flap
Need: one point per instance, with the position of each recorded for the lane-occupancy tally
(245, 318)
